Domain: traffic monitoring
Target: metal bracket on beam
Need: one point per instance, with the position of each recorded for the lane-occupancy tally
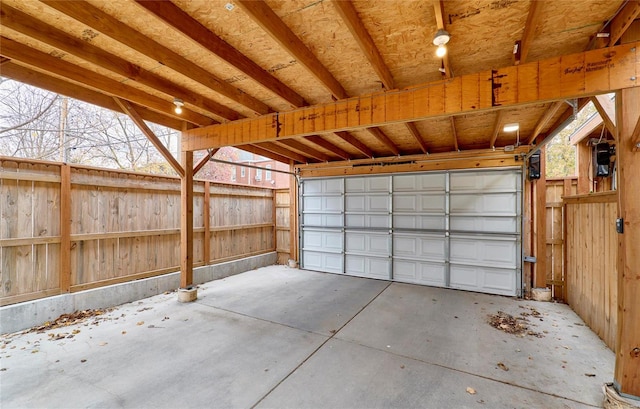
(573, 103)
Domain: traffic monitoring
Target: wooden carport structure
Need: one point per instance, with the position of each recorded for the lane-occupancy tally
(345, 88)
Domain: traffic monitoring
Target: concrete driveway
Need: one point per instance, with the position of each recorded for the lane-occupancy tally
(285, 338)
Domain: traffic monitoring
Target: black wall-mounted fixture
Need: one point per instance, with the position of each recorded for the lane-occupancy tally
(601, 160)
(534, 166)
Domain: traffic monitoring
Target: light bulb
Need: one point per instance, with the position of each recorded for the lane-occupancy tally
(178, 109)
(441, 51)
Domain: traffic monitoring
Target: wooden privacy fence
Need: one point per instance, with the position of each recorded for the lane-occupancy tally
(120, 226)
(591, 261)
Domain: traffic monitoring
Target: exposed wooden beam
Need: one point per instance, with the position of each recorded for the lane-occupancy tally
(192, 28)
(287, 153)
(186, 221)
(455, 133)
(260, 12)
(349, 15)
(42, 61)
(438, 8)
(413, 129)
(497, 125)
(554, 79)
(54, 84)
(305, 150)
(31, 27)
(135, 117)
(622, 21)
(204, 161)
(318, 140)
(263, 152)
(530, 28)
(606, 109)
(111, 27)
(379, 135)
(549, 113)
(4, 60)
(351, 140)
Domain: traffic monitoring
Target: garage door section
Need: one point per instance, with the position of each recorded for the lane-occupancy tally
(448, 229)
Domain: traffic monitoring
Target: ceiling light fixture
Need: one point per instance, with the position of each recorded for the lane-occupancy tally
(179, 104)
(511, 127)
(441, 38)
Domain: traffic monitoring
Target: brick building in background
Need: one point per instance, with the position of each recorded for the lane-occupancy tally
(266, 177)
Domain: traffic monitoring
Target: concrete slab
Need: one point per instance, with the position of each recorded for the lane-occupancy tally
(267, 336)
(449, 328)
(346, 375)
(306, 300)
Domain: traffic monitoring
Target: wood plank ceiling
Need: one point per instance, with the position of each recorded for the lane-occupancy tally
(229, 60)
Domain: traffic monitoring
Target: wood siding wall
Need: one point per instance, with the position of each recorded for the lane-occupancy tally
(121, 226)
(591, 261)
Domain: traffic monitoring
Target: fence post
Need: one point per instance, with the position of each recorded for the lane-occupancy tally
(65, 228)
(207, 224)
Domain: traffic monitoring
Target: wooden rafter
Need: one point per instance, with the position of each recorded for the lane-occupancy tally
(54, 84)
(263, 152)
(111, 27)
(31, 27)
(454, 133)
(485, 91)
(204, 160)
(438, 8)
(413, 129)
(549, 113)
(183, 22)
(530, 28)
(135, 117)
(282, 151)
(497, 125)
(318, 140)
(349, 15)
(382, 137)
(351, 140)
(4, 60)
(260, 12)
(305, 150)
(622, 21)
(43, 61)
(607, 111)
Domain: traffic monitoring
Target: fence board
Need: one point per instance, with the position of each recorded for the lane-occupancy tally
(283, 222)
(124, 226)
(591, 262)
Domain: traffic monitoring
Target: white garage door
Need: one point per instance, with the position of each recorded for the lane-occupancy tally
(458, 229)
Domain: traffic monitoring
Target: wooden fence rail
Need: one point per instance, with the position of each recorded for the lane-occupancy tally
(68, 228)
(591, 258)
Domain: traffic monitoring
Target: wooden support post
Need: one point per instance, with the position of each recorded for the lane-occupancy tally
(274, 210)
(186, 221)
(206, 214)
(293, 215)
(627, 369)
(583, 153)
(65, 228)
(565, 193)
(528, 234)
(540, 226)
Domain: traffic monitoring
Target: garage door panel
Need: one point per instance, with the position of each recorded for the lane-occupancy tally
(324, 241)
(375, 245)
(419, 246)
(490, 204)
(486, 181)
(368, 221)
(419, 272)
(419, 182)
(419, 222)
(327, 262)
(363, 266)
(322, 220)
(362, 203)
(485, 279)
(322, 203)
(322, 186)
(419, 203)
(484, 224)
(484, 252)
(370, 184)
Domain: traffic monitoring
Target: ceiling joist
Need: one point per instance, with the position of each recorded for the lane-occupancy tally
(263, 152)
(438, 8)
(382, 137)
(622, 21)
(497, 125)
(282, 151)
(456, 147)
(318, 140)
(413, 129)
(548, 114)
(305, 150)
(530, 28)
(111, 27)
(181, 21)
(260, 12)
(351, 140)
